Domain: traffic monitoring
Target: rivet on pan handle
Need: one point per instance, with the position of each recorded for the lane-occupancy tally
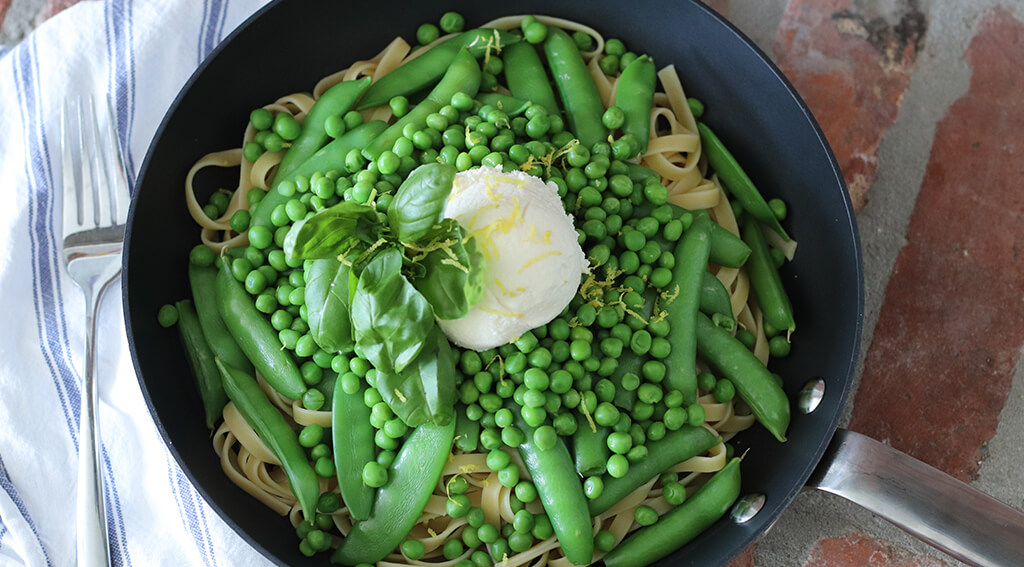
(927, 503)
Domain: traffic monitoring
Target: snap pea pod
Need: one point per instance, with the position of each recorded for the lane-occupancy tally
(580, 98)
(765, 280)
(203, 280)
(714, 298)
(426, 69)
(508, 104)
(680, 525)
(330, 157)
(691, 255)
(201, 361)
(352, 436)
(634, 94)
(736, 180)
(254, 335)
(677, 446)
(335, 101)
(526, 77)
(754, 383)
(560, 491)
(590, 449)
(467, 432)
(274, 431)
(412, 478)
(462, 76)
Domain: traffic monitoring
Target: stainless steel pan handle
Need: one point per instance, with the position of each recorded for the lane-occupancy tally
(927, 503)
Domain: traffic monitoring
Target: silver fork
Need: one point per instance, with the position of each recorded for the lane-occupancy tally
(95, 204)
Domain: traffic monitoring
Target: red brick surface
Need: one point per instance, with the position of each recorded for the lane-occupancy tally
(939, 369)
(860, 550)
(4, 5)
(852, 66)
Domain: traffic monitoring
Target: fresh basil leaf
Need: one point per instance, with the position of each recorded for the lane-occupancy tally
(420, 200)
(390, 318)
(327, 304)
(453, 271)
(425, 390)
(330, 232)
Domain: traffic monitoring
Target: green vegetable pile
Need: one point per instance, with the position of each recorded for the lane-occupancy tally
(350, 262)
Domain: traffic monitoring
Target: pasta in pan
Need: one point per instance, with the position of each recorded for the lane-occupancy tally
(674, 158)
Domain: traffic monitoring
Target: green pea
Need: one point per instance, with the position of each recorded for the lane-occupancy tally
(535, 32)
(609, 64)
(167, 316)
(452, 22)
(645, 515)
(619, 442)
(513, 436)
(542, 528)
(545, 437)
(413, 549)
(617, 466)
(674, 493)
(313, 399)
(252, 151)
(695, 414)
(674, 418)
(261, 118)
(427, 33)
(286, 126)
(724, 390)
(458, 505)
(778, 346)
(487, 533)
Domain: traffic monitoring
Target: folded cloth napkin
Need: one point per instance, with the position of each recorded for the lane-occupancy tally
(139, 53)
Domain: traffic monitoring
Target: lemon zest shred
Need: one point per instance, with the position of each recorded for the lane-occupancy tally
(538, 258)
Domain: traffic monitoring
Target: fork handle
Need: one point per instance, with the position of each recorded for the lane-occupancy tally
(91, 544)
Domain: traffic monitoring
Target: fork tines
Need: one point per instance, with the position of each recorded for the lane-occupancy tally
(95, 186)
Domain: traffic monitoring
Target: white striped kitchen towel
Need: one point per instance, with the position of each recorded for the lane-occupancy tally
(140, 53)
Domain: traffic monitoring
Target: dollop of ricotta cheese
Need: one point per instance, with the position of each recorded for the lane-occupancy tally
(534, 261)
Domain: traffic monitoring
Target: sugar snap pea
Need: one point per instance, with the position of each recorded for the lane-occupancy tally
(691, 255)
(677, 446)
(274, 431)
(328, 158)
(580, 98)
(201, 361)
(765, 280)
(335, 101)
(462, 76)
(590, 449)
(352, 438)
(714, 298)
(510, 105)
(425, 70)
(254, 335)
(412, 478)
(526, 77)
(752, 380)
(736, 180)
(203, 280)
(682, 524)
(634, 94)
(560, 491)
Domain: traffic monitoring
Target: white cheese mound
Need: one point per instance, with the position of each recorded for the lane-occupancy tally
(534, 261)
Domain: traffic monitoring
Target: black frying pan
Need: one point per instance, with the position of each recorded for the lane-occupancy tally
(290, 44)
